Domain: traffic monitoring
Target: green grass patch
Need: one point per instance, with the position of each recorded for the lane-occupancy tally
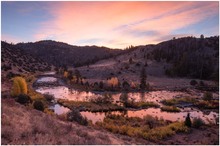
(204, 104)
(181, 100)
(170, 109)
(140, 104)
(90, 106)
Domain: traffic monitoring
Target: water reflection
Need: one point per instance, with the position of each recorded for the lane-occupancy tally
(50, 73)
(58, 109)
(62, 92)
(94, 117)
(46, 79)
(71, 94)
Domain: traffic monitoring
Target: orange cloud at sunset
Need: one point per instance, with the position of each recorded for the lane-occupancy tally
(119, 24)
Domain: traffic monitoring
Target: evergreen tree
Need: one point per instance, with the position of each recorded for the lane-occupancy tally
(143, 78)
(188, 122)
(130, 60)
(78, 75)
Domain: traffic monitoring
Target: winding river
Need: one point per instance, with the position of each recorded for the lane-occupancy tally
(63, 92)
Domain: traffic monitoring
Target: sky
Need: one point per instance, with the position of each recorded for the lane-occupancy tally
(111, 24)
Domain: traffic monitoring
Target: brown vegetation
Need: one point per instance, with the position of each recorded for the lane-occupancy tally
(23, 125)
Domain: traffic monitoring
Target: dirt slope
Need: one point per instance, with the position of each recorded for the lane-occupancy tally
(22, 125)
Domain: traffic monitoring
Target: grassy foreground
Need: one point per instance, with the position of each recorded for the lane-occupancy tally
(24, 125)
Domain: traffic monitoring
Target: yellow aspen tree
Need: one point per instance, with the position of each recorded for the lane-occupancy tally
(16, 88)
(23, 85)
(19, 86)
(65, 74)
(113, 81)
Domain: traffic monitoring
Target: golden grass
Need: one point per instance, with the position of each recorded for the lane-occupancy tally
(149, 128)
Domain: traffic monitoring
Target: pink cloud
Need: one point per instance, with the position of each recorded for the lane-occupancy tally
(74, 21)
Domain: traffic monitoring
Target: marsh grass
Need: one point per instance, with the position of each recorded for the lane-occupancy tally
(204, 104)
(141, 104)
(149, 128)
(181, 100)
(170, 109)
(90, 106)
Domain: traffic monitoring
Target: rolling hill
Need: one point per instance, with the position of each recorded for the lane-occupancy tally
(59, 53)
(170, 63)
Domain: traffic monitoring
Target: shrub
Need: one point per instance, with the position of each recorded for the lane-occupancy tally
(126, 66)
(193, 82)
(126, 85)
(48, 97)
(124, 99)
(38, 105)
(19, 86)
(10, 75)
(188, 122)
(207, 96)
(201, 83)
(170, 109)
(113, 82)
(65, 74)
(23, 99)
(138, 64)
(198, 122)
(130, 60)
(143, 77)
(75, 115)
(150, 121)
(165, 131)
(106, 99)
(101, 85)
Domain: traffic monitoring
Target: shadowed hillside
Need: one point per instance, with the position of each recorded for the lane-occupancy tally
(59, 53)
(15, 61)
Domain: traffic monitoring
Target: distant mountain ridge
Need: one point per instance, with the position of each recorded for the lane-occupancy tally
(59, 53)
(185, 57)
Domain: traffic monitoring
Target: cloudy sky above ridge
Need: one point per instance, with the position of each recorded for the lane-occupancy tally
(110, 24)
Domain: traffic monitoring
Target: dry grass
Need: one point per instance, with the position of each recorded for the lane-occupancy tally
(23, 125)
(149, 128)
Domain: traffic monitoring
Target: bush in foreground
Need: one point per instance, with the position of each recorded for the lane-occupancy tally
(198, 122)
(19, 86)
(23, 99)
(193, 82)
(207, 96)
(75, 115)
(38, 105)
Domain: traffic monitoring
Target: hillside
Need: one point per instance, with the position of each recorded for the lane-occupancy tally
(15, 62)
(34, 127)
(168, 64)
(59, 53)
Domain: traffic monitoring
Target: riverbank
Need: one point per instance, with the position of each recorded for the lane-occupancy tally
(34, 127)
